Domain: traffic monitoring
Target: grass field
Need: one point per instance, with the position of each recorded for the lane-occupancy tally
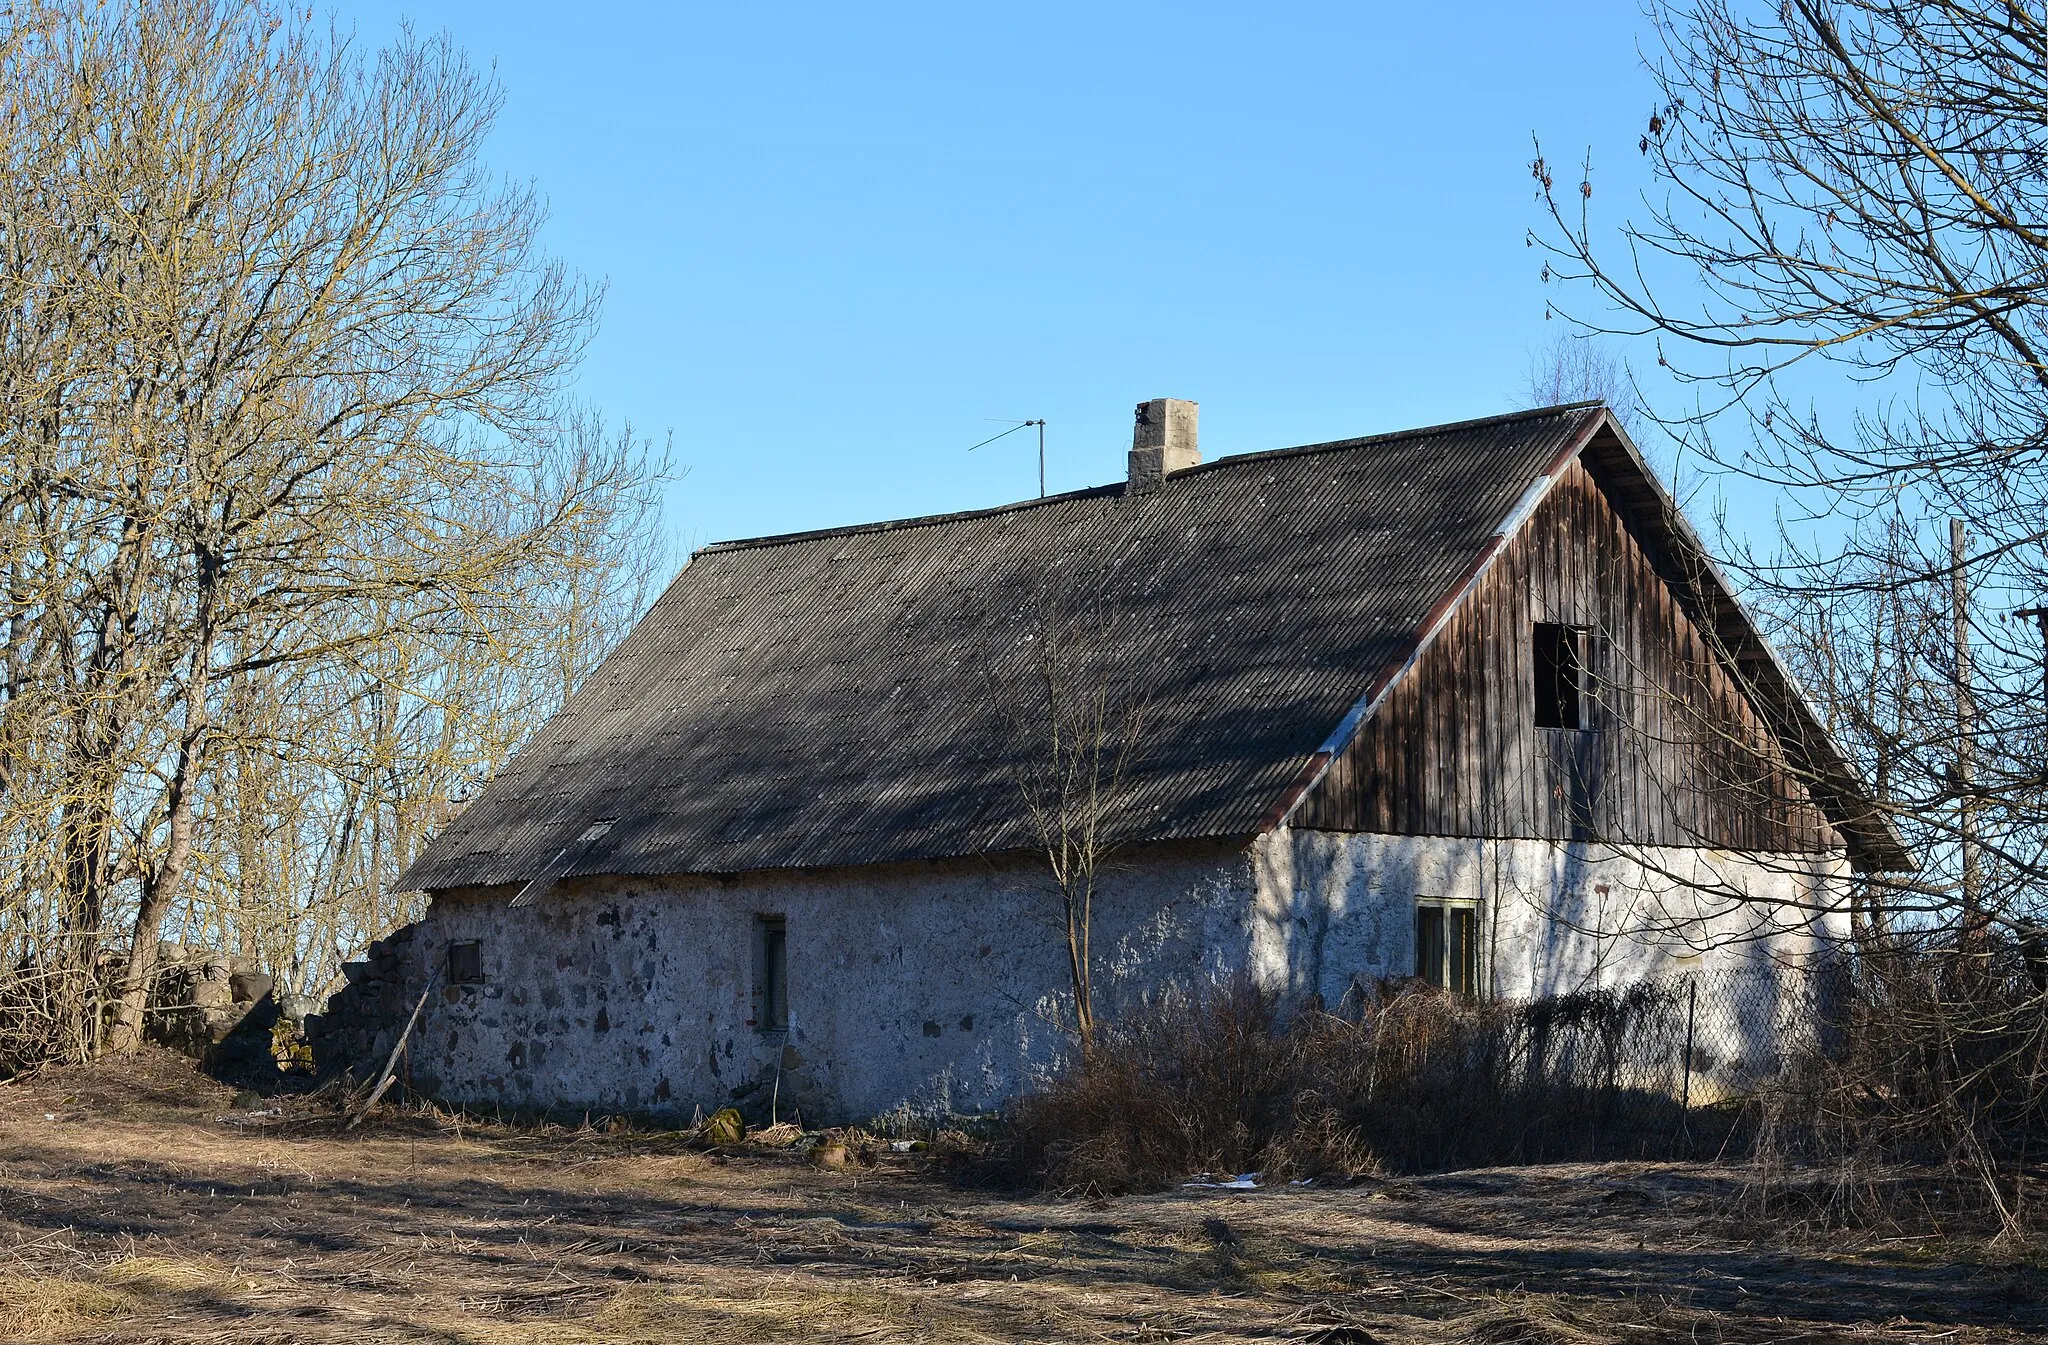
(130, 1211)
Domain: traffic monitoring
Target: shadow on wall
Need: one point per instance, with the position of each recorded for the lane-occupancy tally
(361, 1021)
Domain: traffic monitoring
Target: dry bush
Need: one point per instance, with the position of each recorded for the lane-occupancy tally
(1926, 1103)
(1191, 1084)
(1409, 1079)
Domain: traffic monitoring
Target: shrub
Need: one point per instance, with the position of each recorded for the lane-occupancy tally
(1406, 1078)
(1930, 1099)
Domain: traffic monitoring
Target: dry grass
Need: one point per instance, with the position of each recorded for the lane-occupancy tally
(793, 1309)
(53, 1306)
(128, 1222)
(1539, 1319)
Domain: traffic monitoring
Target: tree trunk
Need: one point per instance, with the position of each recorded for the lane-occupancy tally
(162, 885)
(126, 1033)
(1077, 966)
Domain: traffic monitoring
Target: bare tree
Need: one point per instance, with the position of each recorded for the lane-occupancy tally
(1849, 196)
(281, 371)
(1074, 715)
(1577, 368)
(1854, 185)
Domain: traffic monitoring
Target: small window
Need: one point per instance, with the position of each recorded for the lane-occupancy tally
(465, 963)
(771, 973)
(1447, 944)
(1560, 660)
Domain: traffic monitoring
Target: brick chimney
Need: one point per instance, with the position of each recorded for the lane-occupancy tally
(1162, 443)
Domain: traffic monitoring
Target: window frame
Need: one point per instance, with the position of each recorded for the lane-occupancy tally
(770, 1001)
(473, 948)
(1472, 971)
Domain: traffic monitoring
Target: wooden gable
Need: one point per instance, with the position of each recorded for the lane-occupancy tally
(1673, 752)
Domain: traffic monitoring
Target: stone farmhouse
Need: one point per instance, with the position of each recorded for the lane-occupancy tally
(1468, 703)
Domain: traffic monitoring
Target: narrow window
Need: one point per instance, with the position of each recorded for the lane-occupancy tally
(1560, 661)
(465, 963)
(1461, 957)
(1429, 944)
(1447, 945)
(771, 973)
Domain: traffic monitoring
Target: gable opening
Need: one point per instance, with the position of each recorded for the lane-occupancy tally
(1560, 662)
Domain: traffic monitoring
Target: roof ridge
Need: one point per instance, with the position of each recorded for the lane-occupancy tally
(1117, 487)
(1390, 436)
(915, 521)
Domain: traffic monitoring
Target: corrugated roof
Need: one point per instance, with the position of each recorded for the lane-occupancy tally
(825, 698)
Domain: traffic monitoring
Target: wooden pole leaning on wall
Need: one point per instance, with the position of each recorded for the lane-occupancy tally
(391, 1064)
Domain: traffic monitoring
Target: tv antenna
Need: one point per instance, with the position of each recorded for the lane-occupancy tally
(1015, 426)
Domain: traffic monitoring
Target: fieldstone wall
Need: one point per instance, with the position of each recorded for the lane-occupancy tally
(361, 1021)
(940, 985)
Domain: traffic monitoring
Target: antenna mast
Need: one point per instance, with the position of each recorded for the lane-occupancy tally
(1016, 426)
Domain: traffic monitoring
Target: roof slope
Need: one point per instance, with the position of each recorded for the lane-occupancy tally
(818, 699)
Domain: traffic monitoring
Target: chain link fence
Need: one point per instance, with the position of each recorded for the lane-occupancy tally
(1655, 1068)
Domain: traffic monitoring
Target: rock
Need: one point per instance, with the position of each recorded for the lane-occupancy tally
(724, 1127)
(249, 986)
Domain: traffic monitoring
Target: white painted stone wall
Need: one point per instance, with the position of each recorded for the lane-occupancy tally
(1336, 913)
(940, 985)
(937, 985)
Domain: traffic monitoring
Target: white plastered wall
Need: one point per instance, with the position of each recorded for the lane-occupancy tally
(1742, 934)
(1557, 917)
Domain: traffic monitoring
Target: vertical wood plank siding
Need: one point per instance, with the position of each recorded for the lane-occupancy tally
(1676, 755)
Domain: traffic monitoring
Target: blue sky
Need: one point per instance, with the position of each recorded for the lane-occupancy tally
(838, 239)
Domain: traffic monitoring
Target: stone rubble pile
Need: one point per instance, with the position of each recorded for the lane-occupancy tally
(202, 996)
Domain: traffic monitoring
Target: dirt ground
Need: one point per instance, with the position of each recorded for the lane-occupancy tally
(131, 1211)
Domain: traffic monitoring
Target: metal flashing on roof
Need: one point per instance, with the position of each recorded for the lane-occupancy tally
(541, 883)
